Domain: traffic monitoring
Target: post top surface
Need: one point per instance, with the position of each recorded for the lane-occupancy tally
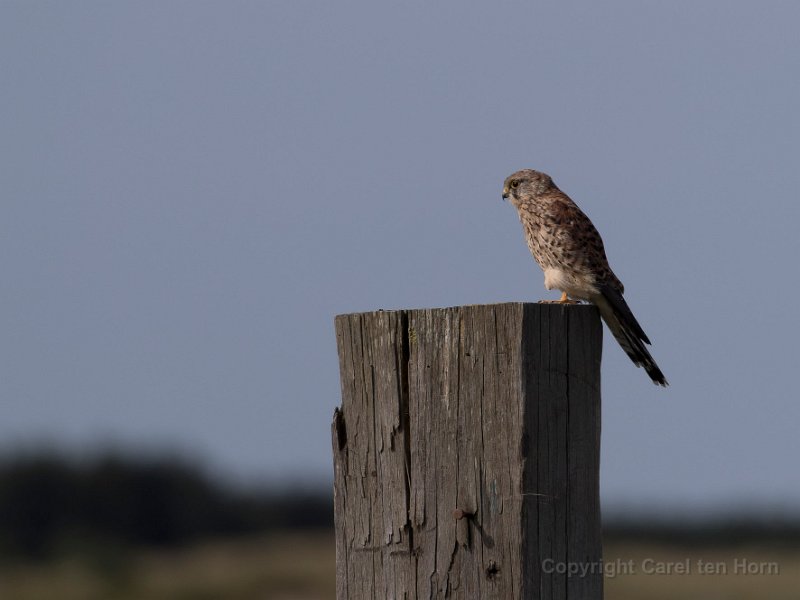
(549, 306)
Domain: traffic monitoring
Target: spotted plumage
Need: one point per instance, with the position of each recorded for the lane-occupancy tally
(570, 251)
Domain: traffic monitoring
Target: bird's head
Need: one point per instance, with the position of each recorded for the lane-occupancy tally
(526, 184)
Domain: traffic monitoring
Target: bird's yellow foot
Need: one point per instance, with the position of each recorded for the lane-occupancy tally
(563, 300)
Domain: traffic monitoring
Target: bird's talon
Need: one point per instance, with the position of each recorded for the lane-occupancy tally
(563, 300)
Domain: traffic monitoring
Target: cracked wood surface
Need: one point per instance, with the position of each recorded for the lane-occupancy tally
(489, 412)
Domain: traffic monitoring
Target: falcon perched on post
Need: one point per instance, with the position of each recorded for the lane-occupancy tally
(570, 252)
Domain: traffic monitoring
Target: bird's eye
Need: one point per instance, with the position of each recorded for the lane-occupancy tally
(515, 184)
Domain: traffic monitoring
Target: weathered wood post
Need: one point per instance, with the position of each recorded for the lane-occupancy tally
(466, 453)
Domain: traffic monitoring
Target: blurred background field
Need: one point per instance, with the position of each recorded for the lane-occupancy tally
(126, 527)
(290, 566)
(300, 566)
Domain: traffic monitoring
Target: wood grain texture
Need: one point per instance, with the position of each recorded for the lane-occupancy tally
(491, 411)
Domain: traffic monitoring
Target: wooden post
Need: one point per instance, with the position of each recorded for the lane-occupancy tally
(466, 453)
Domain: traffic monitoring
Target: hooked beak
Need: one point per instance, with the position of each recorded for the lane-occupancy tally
(505, 193)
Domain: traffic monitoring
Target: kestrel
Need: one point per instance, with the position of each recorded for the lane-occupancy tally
(569, 250)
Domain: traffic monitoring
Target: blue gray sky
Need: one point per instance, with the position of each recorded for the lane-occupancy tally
(192, 190)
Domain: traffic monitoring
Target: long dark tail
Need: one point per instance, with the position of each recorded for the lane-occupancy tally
(628, 332)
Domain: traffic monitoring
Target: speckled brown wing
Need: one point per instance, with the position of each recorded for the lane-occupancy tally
(582, 244)
(583, 247)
